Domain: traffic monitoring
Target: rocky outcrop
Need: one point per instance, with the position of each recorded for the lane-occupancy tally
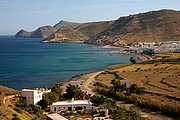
(81, 33)
(63, 23)
(153, 26)
(66, 34)
(23, 33)
(43, 32)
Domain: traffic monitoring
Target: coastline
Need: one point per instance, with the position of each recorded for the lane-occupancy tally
(85, 81)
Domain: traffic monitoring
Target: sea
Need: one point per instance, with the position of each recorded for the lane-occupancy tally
(27, 63)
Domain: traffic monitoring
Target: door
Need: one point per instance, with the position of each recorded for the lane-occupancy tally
(69, 108)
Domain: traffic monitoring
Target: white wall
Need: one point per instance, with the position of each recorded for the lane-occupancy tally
(65, 107)
(29, 96)
(33, 96)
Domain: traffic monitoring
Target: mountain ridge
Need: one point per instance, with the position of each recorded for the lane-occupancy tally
(152, 26)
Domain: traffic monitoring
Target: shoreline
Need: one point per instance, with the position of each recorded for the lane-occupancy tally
(86, 80)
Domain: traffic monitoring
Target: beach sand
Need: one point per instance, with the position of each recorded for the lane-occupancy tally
(84, 81)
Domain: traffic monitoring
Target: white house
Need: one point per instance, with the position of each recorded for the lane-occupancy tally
(33, 96)
(72, 105)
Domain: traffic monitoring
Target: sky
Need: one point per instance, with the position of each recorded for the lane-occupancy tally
(31, 14)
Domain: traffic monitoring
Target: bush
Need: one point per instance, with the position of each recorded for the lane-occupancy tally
(15, 118)
(100, 84)
(132, 60)
(15, 115)
(18, 110)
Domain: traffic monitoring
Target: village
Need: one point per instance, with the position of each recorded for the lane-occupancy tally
(149, 48)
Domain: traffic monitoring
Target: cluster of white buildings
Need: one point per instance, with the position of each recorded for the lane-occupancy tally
(158, 47)
(33, 96)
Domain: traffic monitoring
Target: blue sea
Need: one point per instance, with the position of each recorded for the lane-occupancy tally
(27, 63)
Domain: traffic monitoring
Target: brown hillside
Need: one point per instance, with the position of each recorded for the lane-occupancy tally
(43, 32)
(66, 34)
(92, 28)
(83, 32)
(154, 26)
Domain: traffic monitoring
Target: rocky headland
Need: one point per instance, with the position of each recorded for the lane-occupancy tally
(153, 26)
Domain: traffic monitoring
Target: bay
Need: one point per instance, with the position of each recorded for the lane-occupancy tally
(27, 63)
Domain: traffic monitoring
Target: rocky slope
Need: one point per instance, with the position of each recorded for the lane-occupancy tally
(66, 34)
(154, 26)
(46, 31)
(63, 23)
(81, 33)
(23, 33)
(43, 32)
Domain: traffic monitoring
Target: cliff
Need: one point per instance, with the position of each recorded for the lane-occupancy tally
(81, 33)
(43, 32)
(66, 34)
(23, 33)
(153, 26)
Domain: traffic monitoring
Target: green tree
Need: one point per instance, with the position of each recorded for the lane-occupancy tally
(117, 86)
(22, 103)
(73, 91)
(133, 88)
(97, 100)
(132, 60)
(43, 103)
(57, 89)
(51, 97)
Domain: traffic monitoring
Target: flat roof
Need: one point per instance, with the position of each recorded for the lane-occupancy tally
(76, 102)
(28, 90)
(56, 116)
(36, 89)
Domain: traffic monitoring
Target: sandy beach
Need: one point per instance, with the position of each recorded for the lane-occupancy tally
(84, 81)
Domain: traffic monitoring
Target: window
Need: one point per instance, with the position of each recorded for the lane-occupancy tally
(84, 107)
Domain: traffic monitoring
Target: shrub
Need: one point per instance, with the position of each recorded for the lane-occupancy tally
(18, 110)
(15, 118)
(100, 84)
(15, 115)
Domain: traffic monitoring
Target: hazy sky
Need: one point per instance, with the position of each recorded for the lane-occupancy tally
(31, 14)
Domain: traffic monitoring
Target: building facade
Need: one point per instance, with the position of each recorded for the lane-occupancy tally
(72, 105)
(33, 96)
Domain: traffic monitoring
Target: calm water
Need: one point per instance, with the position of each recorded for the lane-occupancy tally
(24, 62)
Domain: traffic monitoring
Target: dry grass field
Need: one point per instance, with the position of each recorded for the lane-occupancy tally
(160, 80)
(7, 110)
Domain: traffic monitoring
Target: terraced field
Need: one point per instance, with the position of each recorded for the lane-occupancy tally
(161, 80)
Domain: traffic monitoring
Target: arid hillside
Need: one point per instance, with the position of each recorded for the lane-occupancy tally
(153, 26)
(159, 77)
(83, 32)
(66, 34)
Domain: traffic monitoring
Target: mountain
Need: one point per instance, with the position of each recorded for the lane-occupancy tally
(81, 33)
(23, 33)
(43, 32)
(66, 34)
(66, 23)
(153, 26)
(92, 28)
